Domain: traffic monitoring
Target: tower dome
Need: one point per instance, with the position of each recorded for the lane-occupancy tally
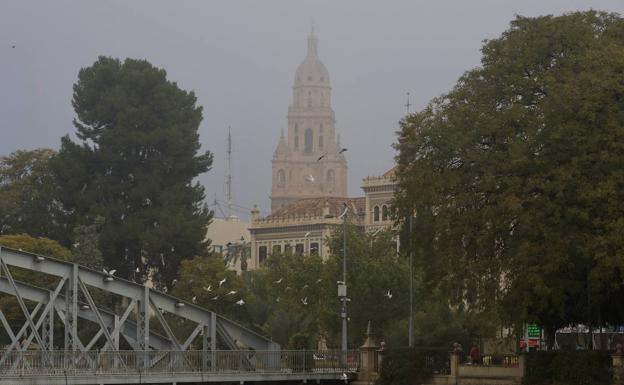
(312, 72)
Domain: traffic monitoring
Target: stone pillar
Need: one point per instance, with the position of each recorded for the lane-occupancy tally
(455, 360)
(368, 358)
(617, 361)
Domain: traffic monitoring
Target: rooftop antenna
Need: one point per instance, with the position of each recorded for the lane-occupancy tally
(408, 103)
(228, 177)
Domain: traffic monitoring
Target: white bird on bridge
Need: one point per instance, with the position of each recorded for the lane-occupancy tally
(209, 288)
(241, 302)
(279, 280)
(232, 292)
(109, 273)
(194, 299)
(221, 282)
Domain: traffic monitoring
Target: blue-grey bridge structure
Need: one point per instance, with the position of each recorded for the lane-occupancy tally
(229, 351)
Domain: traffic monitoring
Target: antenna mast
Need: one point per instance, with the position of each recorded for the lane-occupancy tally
(228, 177)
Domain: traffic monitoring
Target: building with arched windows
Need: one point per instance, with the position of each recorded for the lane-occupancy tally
(308, 161)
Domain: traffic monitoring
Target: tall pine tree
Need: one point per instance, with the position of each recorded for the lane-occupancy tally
(135, 167)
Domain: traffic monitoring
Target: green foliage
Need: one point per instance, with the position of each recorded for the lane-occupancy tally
(135, 167)
(42, 246)
(86, 247)
(373, 269)
(568, 368)
(404, 367)
(198, 274)
(27, 194)
(516, 176)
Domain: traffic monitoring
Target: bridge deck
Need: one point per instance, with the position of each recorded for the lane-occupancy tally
(134, 367)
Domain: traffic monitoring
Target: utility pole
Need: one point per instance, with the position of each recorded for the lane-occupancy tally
(228, 177)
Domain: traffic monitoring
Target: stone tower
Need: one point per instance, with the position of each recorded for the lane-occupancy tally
(308, 162)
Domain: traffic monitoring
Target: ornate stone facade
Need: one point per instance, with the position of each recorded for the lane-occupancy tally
(308, 162)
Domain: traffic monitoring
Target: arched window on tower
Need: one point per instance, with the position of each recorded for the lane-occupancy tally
(320, 142)
(376, 214)
(309, 98)
(384, 213)
(331, 178)
(307, 144)
(281, 178)
(296, 143)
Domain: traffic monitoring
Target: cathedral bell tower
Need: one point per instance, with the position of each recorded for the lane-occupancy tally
(309, 162)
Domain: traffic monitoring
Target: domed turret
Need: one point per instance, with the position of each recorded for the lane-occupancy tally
(312, 72)
(282, 147)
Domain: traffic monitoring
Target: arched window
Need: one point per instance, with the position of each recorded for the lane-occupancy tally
(309, 98)
(320, 144)
(331, 177)
(384, 213)
(376, 214)
(281, 178)
(296, 128)
(321, 128)
(296, 142)
(307, 144)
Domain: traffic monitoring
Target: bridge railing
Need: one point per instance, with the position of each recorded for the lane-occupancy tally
(37, 362)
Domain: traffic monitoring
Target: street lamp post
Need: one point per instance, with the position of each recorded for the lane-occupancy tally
(342, 285)
(411, 284)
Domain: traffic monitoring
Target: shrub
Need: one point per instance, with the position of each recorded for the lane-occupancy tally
(404, 367)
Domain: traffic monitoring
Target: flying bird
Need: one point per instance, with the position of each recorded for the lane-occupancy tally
(109, 273)
(279, 280)
(288, 288)
(221, 282)
(13, 46)
(194, 299)
(304, 301)
(137, 270)
(173, 283)
(241, 302)
(307, 234)
(209, 288)
(305, 286)
(216, 297)
(277, 299)
(232, 292)
(309, 178)
(319, 280)
(321, 157)
(388, 294)
(343, 150)
(344, 376)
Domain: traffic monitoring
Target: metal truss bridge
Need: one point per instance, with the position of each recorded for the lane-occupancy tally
(118, 332)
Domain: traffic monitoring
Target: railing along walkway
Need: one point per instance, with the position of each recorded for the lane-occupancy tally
(285, 363)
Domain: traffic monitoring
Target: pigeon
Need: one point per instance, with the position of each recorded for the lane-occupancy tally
(343, 150)
(13, 46)
(241, 302)
(320, 157)
(109, 273)
(279, 280)
(232, 292)
(307, 234)
(194, 300)
(216, 297)
(309, 178)
(221, 282)
(388, 294)
(209, 288)
(304, 301)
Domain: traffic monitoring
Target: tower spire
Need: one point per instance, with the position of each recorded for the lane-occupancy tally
(312, 43)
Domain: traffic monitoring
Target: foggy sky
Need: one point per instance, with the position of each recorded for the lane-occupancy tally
(240, 57)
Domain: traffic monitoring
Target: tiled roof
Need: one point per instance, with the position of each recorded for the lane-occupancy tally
(314, 207)
(390, 173)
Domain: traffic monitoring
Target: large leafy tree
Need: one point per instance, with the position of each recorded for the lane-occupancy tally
(135, 167)
(516, 175)
(28, 201)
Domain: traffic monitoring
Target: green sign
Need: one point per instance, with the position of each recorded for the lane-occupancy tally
(534, 331)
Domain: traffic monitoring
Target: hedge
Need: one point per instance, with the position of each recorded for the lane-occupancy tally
(568, 368)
